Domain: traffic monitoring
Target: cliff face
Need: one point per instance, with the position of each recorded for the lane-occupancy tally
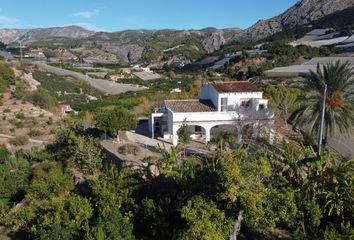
(306, 11)
(301, 13)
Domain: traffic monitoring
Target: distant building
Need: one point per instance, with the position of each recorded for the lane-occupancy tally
(146, 69)
(65, 109)
(36, 53)
(176, 90)
(238, 104)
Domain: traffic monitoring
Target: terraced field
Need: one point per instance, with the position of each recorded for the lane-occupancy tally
(102, 85)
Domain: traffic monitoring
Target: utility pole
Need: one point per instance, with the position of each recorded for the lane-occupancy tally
(320, 135)
(21, 51)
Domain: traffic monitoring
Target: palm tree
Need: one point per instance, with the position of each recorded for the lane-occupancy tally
(339, 111)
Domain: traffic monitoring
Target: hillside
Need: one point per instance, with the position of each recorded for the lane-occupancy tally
(11, 35)
(304, 12)
(170, 46)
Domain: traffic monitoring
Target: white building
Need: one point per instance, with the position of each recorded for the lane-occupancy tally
(237, 105)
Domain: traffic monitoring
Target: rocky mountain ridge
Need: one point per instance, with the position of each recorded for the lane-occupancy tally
(303, 12)
(186, 45)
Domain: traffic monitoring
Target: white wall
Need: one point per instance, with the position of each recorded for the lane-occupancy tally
(235, 99)
(209, 93)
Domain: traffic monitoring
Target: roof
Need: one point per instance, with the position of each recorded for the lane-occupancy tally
(195, 105)
(235, 87)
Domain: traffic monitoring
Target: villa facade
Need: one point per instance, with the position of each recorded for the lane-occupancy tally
(237, 105)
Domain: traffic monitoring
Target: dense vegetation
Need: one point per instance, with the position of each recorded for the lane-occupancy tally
(7, 77)
(158, 90)
(66, 89)
(286, 194)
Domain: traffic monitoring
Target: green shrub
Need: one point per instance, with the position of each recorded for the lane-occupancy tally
(19, 141)
(20, 115)
(7, 110)
(35, 133)
(34, 121)
(50, 121)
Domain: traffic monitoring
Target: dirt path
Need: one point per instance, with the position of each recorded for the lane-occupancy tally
(30, 140)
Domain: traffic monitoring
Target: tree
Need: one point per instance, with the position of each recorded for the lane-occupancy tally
(42, 99)
(7, 77)
(111, 227)
(204, 220)
(339, 111)
(86, 154)
(111, 193)
(114, 120)
(14, 177)
(184, 134)
(223, 140)
(49, 181)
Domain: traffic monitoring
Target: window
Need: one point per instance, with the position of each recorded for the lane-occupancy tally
(245, 104)
(261, 107)
(223, 106)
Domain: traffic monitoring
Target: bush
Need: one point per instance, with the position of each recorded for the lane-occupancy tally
(20, 92)
(20, 115)
(50, 121)
(35, 133)
(19, 141)
(7, 110)
(42, 99)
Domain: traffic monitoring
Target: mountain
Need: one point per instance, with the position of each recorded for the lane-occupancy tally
(169, 46)
(11, 35)
(28, 36)
(304, 12)
(54, 33)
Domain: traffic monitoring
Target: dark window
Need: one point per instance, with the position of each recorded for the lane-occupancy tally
(261, 107)
(245, 104)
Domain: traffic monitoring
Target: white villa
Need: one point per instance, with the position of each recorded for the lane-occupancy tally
(237, 105)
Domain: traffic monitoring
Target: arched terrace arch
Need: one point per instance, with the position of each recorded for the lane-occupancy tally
(233, 128)
(198, 132)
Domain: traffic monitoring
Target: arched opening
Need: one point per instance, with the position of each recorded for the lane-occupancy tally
(197, 133)
(225, 127)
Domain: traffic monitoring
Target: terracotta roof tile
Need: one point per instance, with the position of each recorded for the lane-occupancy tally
(235, 87)
(197, 105)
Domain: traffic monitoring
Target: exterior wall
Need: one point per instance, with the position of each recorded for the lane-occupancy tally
(234, 99)
(209, 93)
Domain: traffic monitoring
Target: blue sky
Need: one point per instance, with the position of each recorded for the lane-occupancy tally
(110, 15)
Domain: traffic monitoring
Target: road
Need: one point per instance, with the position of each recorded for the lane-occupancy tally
(105, 86)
